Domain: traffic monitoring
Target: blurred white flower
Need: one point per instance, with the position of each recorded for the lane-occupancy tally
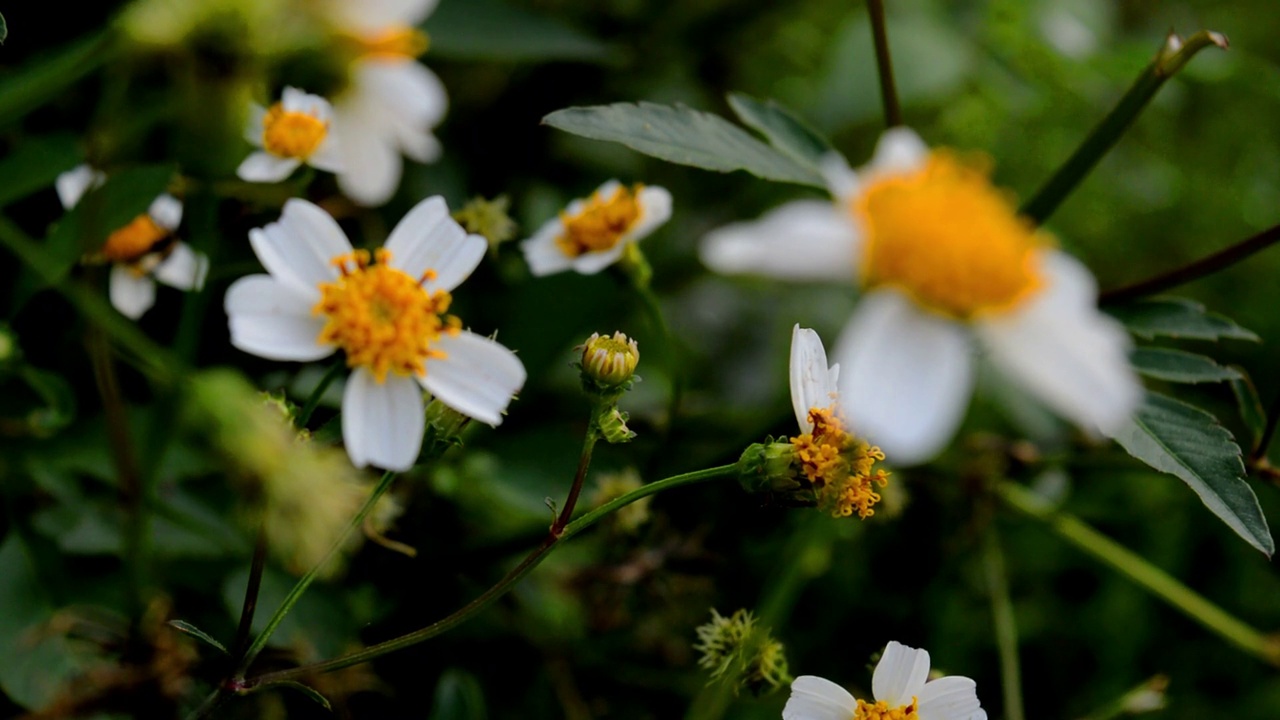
(386, 311)
(900, 691)
(142, 251)
(294, 131)
(592, 233)
(943, 259)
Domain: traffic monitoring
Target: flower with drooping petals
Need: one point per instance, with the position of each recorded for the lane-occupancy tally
(592, 233)
(900, 689)
(387, 312)
(142, 251)
(294, 131)
(943, 259)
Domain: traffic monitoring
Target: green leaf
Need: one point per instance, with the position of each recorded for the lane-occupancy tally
(307, 690)
(684, 136)
(492, 30)
(458, 697)
(1252, 413)
(183, 626)
(1177, 318)
(46, 77)
(783, 129)
(34, 164)
(1179, 366)
(1187, 442)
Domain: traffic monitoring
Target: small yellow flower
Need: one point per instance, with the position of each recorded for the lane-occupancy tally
(593, 233)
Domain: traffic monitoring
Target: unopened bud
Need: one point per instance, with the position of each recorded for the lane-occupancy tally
(737, 650)
(488, 218)
(768, 468)
(613, 426)
(609, 362)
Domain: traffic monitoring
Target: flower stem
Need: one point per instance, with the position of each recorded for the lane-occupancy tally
(1268, 432)
(1146, 575)
(584, 462)
(498, 590)
(884, 64)
(1203, 267)
(250, 605)
(313, 400)
(1005, 624)
(1172, 56)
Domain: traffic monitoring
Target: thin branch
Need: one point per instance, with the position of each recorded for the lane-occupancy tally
(1200, 268)
(884, 64)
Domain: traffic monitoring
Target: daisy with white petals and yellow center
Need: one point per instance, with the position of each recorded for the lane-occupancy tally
(386, 311)
(900, 689)
(943, 258)
(838, 465)
(141, 252)
(291, 132)
(593, 233)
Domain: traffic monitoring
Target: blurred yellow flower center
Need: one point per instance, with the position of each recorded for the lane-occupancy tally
(396, 43)
(381, 317)
(882, 711)
(839, 466)
(131, 242)
(601, 222)
(949, 238)
(292, 134)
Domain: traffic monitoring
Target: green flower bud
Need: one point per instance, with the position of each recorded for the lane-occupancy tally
(737, 650)
(613, 426)
(489, 218)
(608, 363)
(769, 468)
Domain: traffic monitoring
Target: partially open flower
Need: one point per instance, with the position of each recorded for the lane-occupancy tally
(592, 234)
(609, 361)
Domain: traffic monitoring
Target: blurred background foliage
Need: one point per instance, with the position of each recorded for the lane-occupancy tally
(605, 627)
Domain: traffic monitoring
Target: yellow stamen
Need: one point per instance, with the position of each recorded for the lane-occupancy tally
(948, 238)
(882, 711)
(383, 318)
(839, 466)
(292, 134)
(601, 222)
(130, 243)
(395, 43)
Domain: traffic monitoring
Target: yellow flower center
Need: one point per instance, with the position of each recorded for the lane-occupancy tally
(292, 134)
(949, 239)
(130, 243)
(839, 466)
(601, 222)
(395, 43)
(882, 711)
(383, 318)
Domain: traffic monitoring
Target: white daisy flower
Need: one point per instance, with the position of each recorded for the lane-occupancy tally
(943, 260)
(142, 251)
(391, 102)
(386, 311)
(593, 233)
(291, 132)
(900, 689)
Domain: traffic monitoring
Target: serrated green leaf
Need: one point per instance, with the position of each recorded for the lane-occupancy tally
(183, 626)
(458, 697)
(783, 128)
(1189, 443)
(1177, 318)
(1252, 413)
(1179, 366)
(684, 136)
(34, 164)
(491, 30)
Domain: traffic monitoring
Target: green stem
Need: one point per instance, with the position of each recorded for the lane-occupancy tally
(1146, 575)
(313, 400)
(884, 64)
(1203, 267)
(501, 588)
(1268, 432)
(1172, 56)
(256, 567)
(580, 476)
(1005, 625)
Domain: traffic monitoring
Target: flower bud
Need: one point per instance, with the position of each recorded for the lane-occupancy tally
(613, 427)
(768, 468)
(608, 363)
(737, 650)
(488, 218)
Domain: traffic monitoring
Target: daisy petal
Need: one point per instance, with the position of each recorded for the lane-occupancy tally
(542, 253)
(131, 294)
(271, 319)
(813, 385)
(900, 674)
(264, 167)
(382, 422)
(905, 376)
(328, 156)
(184, 268)
(815, 698)
(802, 240)
(842, 181)
(655, 209)
(300, 247)
(166, 211)
(74, 183)
(371, 164)
(255, 125)
(429, 239)
(373, 16)
(900, 150)
(477, 378)
(590, 263)
(949, 698)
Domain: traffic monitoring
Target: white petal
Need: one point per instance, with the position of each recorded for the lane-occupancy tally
(371, 164)
(815, 698)
(328, 156)
(949, 698)
(255, 124)
(428, 238)
(813, 384)
(1060, 347)
(131, 294)
(542, 253)
(477, 378)
(264, 167)
(411, 99)
(900, 150)
(166, 211)
(900, 674)
(271, 319)
(655, 209)
(300, 247)
(905, 376)
(802, 240)
(295, 100)
(372, 16)
(842, 181)
(382, 423)
(184, 268)
(74, 183)
(590, 263)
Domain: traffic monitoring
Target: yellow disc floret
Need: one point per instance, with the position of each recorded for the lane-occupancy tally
(292, 134)
(839, 466)
(949, 238)
(383, 318)
(133, 241)
(601, 223)
(395, 43)
(881, 711)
